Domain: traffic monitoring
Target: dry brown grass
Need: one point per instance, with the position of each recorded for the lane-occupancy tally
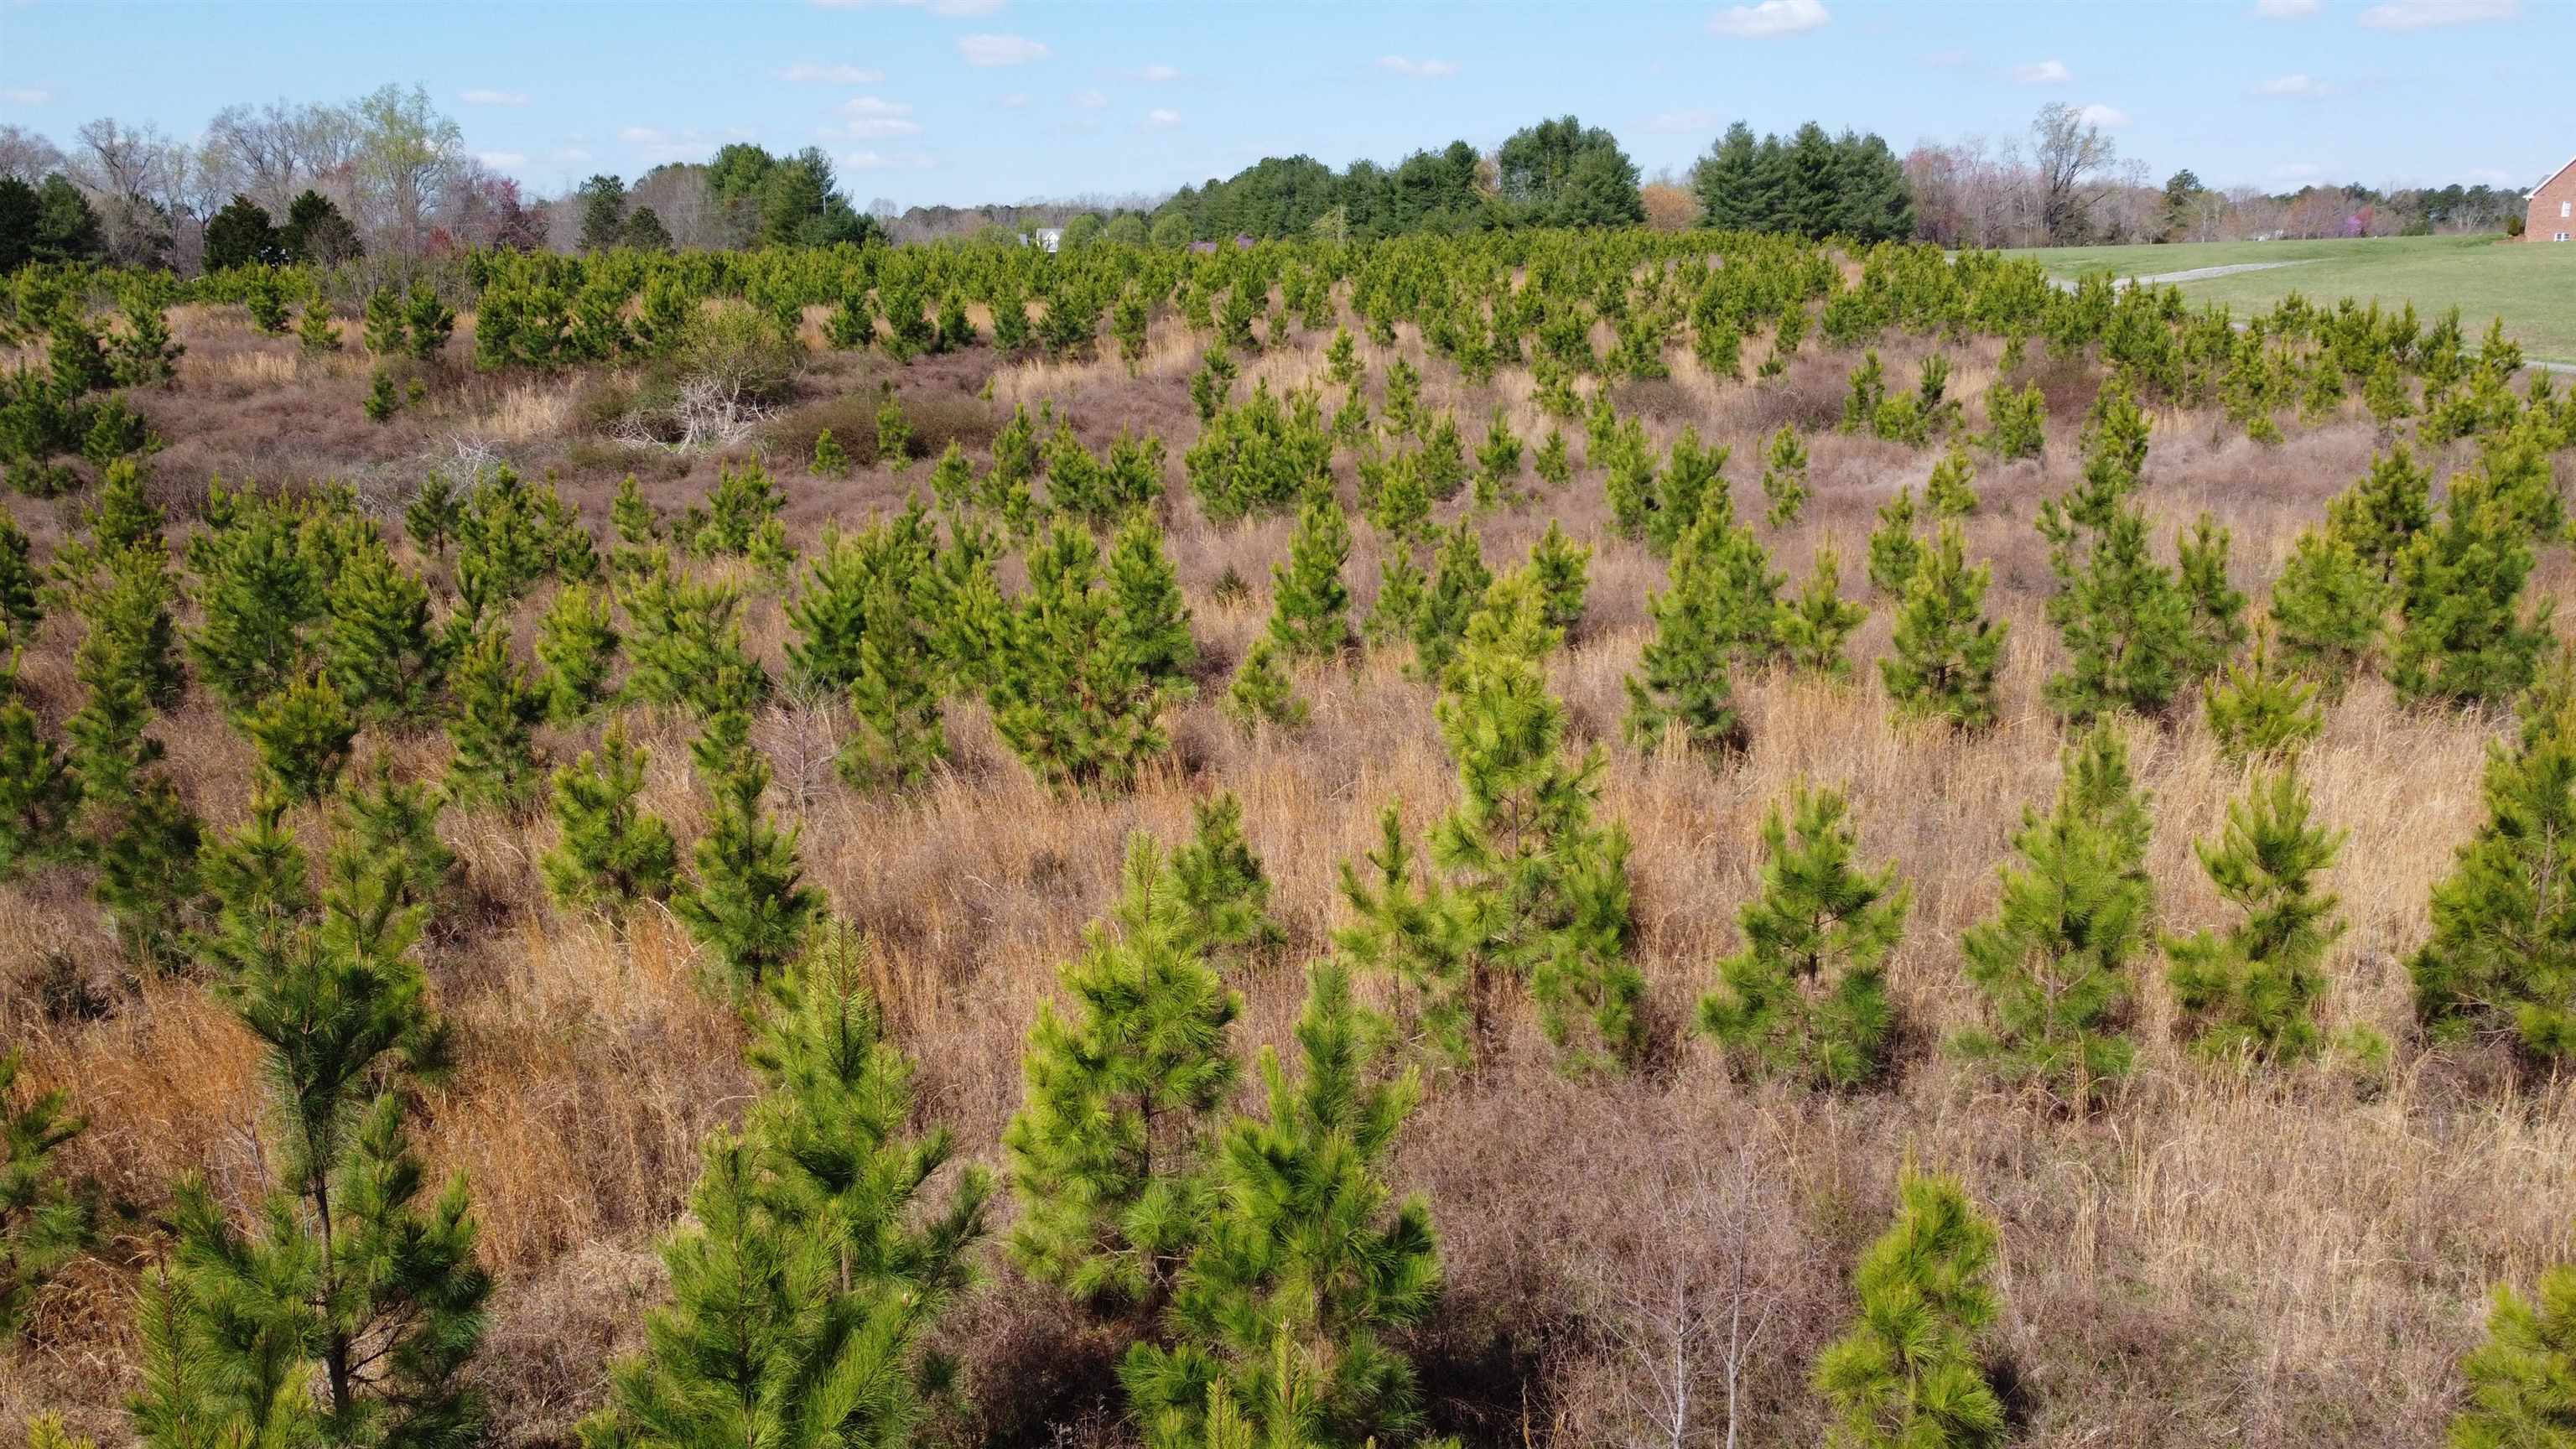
(2279, 1261)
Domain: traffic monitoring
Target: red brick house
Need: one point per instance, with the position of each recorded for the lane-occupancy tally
(2553, 208)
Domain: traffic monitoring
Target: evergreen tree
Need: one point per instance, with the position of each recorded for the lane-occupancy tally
(2520, 1378)
(612, 853)
(386, 331)
(429, 321)
(1945, 647)
(126, 517)
(1151, 621)
(2217, 610)
(2461, 635)
(1812, 628)
(378, 645)
(494, 726)
(894, 433)
(44, 1221)
(1284, 1310)
(1894, 552)
(349, 1281)
(896, 697)
(829, 613)
(434, 514)
(749, 906)
(1110, 1152)
(1560, 566)
(1952, 488)
(1310, 604)
(2053, 963)
(2128, 626)
(40, 793)
(1071, 699)
(2498, 964)
(2257, 711)
(144, 354)
(577, 644)
(2329, 608)
(818, 1261)
(1807, 996)
(2382, 513)
(1224, 892)
(2256, 989)
(830, 459)
(1262, 692)
(303, 733)
(314, 329)
(21, 603)
(1402, 592)
(1683, 686)
(260, 591)
(1784, 476)
(1552, 464)
(1907, 1374)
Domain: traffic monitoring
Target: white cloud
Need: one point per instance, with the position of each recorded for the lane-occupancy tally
(2296, 87)
(642, 136)
(807, 72)
(873, 117)
(1161, 118)
(1685, 123)
(573, 153)
(2287, 9)
(2042, 73)
(1770, 18)
(1946, 59)
(1157, 74)
(494, 98)
(1000, 49)
(2489, 176)
(502, 160)
(951, 8)
(2425, 14)
(2109, 118)
(1087, 100)
(1014, 101)
(879, 161)
(1406, 65)
(26, 96)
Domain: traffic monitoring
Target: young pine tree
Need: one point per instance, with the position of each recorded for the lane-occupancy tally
(1894, 552)
(818, 1261)
(577, 644)
(1310, 604)
(44, 1221)
(2328, 608)
(1225, 894)
(303, 733)
(2462, 636)
(1907, 1374)
(1784, 476)
(2499, 964)
(351, 1310)
(896, 698)
(1262, 692)
(2258, 711)
(1812, 628)
(1807, 996)
(1945, 647)
(40, 793)
(2127, 625)
(1110, 1151)
(1072, 699)
(612, 853)
(1458, 582)
(2254, 991)
(749, 906)
(378, 644)
(1562, 569)
(2518, 1378)
(1308, 1266)
(2054, 961)
(1683, 688)
(494, 726)
(1951, 490)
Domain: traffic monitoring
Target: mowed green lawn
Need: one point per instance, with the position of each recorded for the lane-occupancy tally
(2532, 286)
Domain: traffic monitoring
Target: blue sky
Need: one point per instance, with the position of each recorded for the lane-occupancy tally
(1004, 100)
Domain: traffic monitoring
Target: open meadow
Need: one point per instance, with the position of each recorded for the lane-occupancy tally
(1646, 1185)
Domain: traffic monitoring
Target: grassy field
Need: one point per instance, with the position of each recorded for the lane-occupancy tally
(2533, 288)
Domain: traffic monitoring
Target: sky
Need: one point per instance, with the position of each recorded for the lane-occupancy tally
(964, 101)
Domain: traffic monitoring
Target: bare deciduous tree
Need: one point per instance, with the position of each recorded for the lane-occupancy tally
(2074, 160)
(27, 156)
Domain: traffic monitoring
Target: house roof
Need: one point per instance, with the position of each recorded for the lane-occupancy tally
(2553, 176)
